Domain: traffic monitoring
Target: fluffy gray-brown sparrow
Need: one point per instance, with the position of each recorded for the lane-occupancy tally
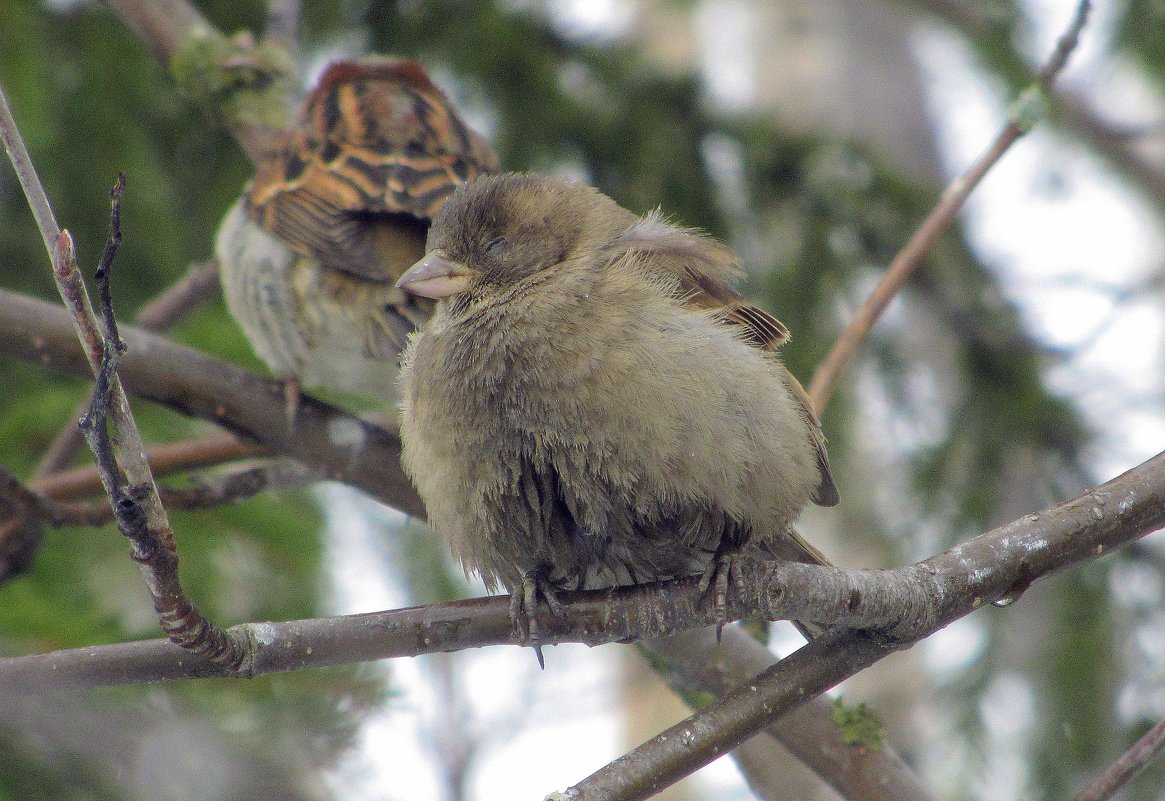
(593, 404)
(310, 254)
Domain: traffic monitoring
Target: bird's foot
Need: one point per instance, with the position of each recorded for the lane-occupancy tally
(524, 609)
(722, 569)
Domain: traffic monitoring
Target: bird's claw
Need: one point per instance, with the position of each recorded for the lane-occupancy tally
(524, 610)
(723, 568)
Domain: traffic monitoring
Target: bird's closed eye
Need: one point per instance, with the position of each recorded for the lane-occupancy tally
(495, 245)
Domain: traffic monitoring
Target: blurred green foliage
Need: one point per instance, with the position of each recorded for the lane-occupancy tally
(823, 215)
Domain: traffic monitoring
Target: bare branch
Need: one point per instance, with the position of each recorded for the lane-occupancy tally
(994, 566)
(165, 459)
(1111, 142)
(209, 492)
(139, 511)
(176, 303)
(141, 518)
(342, 446)
(809, 733)
(1130, 763)
(910, 258)
(967, 576)
(26, 174)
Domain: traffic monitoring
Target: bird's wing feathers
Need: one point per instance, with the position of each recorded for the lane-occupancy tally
(376, 138)
(825, 493)
(703, 268)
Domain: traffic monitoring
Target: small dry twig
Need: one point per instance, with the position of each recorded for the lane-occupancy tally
(141, 517)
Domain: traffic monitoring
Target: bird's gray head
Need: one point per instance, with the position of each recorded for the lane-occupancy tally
(499, 229)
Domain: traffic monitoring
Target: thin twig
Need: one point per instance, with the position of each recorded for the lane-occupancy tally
(165, 459)
(911, 257)
(25, 173)
(139, 511)
(1130, 763)
(1114, 142)
(31, 508)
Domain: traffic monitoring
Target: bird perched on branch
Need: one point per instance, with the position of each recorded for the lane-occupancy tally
(310, 255)
(593, 404)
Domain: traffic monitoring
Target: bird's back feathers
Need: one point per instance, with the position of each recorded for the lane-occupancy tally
(376, 138)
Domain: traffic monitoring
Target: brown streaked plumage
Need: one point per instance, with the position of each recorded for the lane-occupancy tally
(593, 404)
(338, 211)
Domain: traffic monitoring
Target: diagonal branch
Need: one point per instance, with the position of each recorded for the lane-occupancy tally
(1024, 115)
(809, 733)
(1070, 111)
(1129, 764)
(38, 201)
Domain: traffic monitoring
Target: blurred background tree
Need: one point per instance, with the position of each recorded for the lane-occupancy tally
(1022, 364)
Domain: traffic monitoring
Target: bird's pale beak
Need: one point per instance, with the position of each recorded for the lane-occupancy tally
(436, 277)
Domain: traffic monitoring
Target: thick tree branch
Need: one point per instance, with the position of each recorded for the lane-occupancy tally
(994, 566)
(808, 733)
